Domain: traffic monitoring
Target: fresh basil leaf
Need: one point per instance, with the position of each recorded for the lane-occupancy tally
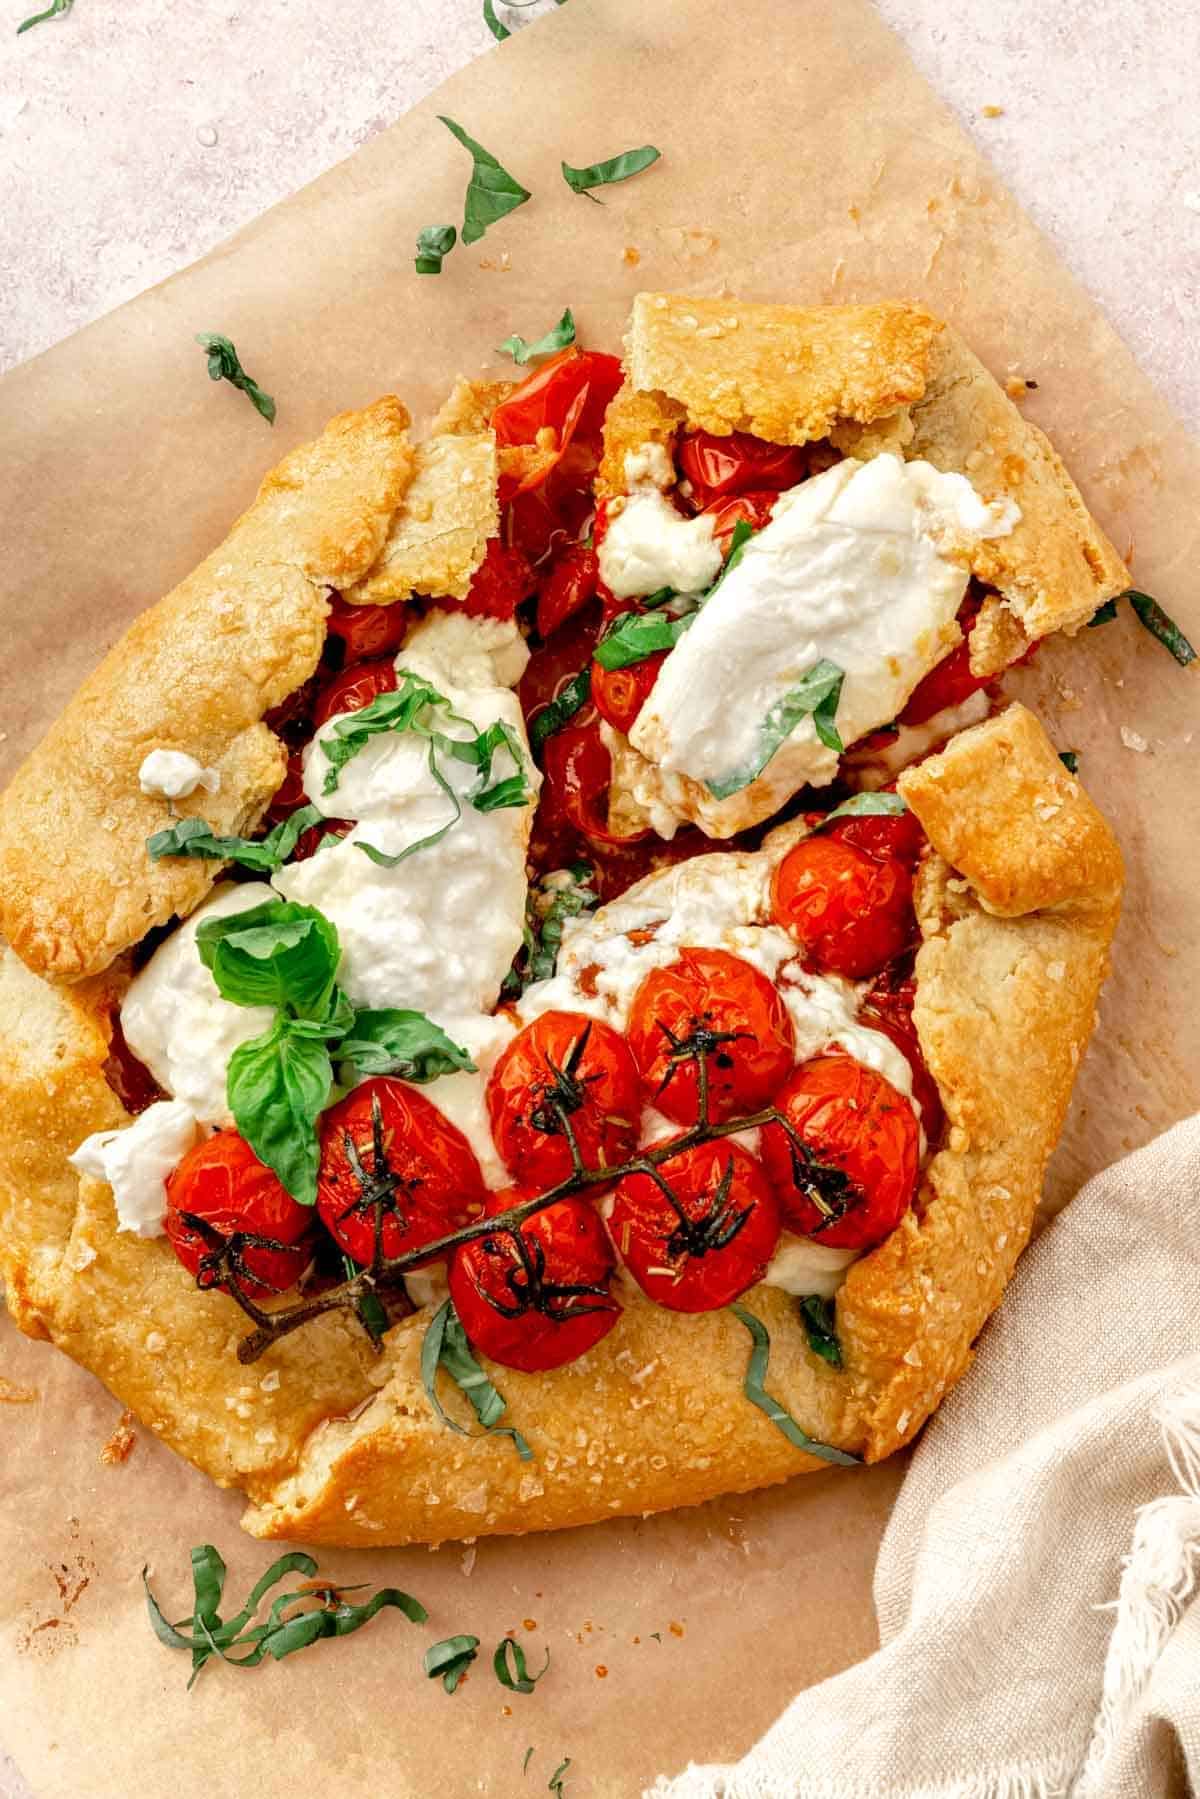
(820, 1326)
(1151, 615)
(637, 635)
(528, 1759)
(516, 1677)
(193, 837)
(445, 1346)
(555, 1783)
(616, 168)
(1103, 615)
(739, 537)
(340, 1619)
(498, 31)
(224, 364)
(557, 338)
(816, 695)
(55, 10)
(492, 192)
(277, 954)
(756, 1393)
(402, 1043)
(864, 805)
(433, 243)
(1069, 760)
(552, 717)
(277, 1086)
(449, 1660)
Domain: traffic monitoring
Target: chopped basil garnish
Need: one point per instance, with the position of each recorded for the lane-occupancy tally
(742, 532)
(193, 837)
(279, 1635)
(558, 896)
(557, 338)
(491, 193)
(562, 707)
(864, 805)
(555, 1783)
(224, 364)
(603, 174)
(528, 1759)
(434, 243)
(1151, 615)
(754, 1389)
(445, 1346)
(53, 11)
(817, 1316)
(816, 695)
(1103, 615)
(516, 1677)
(448, 1661)
(1069, 760)
(637, 635)
(498, 31)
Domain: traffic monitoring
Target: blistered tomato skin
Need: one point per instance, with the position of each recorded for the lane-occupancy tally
(716, 1001)
(889, 1008)
(222, 1183)
(850, 912)
(387, 1149)
(499, 584)
(860, 1157)
(564, 1069)
(367, 630)
(620, 693)
(753, 509)
(539, 1297)
(353, 689)
(700, 1249)
(882, 834)
(566, 587)
(737, 463)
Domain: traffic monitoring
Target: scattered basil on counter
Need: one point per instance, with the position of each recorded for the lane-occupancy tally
(279, 1634)
(1151, 616)
(555, 1783)
(403, 1043)
(603, 174)
(755, 1390)
(55, 10)
(864, 805)
(448, 1661)
(224, 364)
(637, 635)
(528, 1759)
(193, 837)
(820, 1325)
(557, 338)
(498, 31)
(565, 704)
(816, 695)
(510, 1669)
(445, 1346)
(433, 243)
(1069, 760)
(492, 192)
(1103, 615)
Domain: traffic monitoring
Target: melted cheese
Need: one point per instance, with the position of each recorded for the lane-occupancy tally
(649, 545)
(137, 1160)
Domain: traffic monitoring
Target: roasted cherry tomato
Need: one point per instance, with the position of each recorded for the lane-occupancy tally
(539, 1296)
(882, 834)
(549, 518)
(387, 1149)
(566, 587)
(230, 1218)
(949, 684)
(851, 1183)
(754, 509)
(557, 662)
(367, 630)
(700, 1248)
(578, 770)
(889, 1008)
(722, 1006)
(499, 584)
(620, 693)
(292, 718)
(720, 466)
(563, 400)
(353, 689)
(849, 912)
(290, 794)
(564, 1070)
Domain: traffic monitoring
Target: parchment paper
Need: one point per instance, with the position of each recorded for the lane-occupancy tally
(804, 159)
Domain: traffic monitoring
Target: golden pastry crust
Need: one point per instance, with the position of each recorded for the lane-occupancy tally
(1017, 906)
(195, 673)
(440, 531)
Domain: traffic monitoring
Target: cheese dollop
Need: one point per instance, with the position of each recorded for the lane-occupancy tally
(648, 545)
(137, 1159)
(172, 775)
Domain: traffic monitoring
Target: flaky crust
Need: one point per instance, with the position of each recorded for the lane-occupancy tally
(439, 533)
(1017, 905)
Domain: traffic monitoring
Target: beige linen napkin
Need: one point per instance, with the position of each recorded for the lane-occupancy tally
(1038, 1587)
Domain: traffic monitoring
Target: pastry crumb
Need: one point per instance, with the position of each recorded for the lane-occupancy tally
(631, 255)
(1133, 740)
(992, 112)
(119, 1447)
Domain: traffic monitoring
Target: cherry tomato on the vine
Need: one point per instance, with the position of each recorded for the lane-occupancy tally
(720, 1004)
(738, 463)
(709, 1241)
(230, 1217)
(565, 1071)
(537, 1297)
(388, 1152)
(849, 912)
(366, 630)
(353, 689)
(855, 1176)
(620, 693)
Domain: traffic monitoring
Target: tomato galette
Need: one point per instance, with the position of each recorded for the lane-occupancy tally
(544, 977)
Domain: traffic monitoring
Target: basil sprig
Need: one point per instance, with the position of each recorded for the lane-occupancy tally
(814, 696)
(433, 243)
(547, 909)
(565, 704)
(639, 635)
(864, 805)
(1152, 616)
(820, 1325)
(516, 1677)
(193, 837)
(224, 364)
(491, 192)
(615, 168)
(449, 1660)
(205, 1633)
(557, 338)
(755, 1390)
(445, 1346)
(55, 10)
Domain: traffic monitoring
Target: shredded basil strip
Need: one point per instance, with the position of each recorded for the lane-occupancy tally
(1103, 615)
(193, 837)
(449, 1660)
(637, 635)
(547, 908)
(445, 1346)
(516, 1678)
(565, 704)
(1151, 616)
(864, 805)
(528, 1759)
(756, 1393)
(557, 338)
(555, 1783)
(615, 168)
(433, 243)
(498, 31)
(1069, 760)
(224, 364)
(279, 1635)
(491, 192)
(55, 10)
(817, 1316)
(816, 695)
(742, 532)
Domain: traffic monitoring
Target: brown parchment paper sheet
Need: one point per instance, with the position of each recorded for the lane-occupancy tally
(804, 159)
